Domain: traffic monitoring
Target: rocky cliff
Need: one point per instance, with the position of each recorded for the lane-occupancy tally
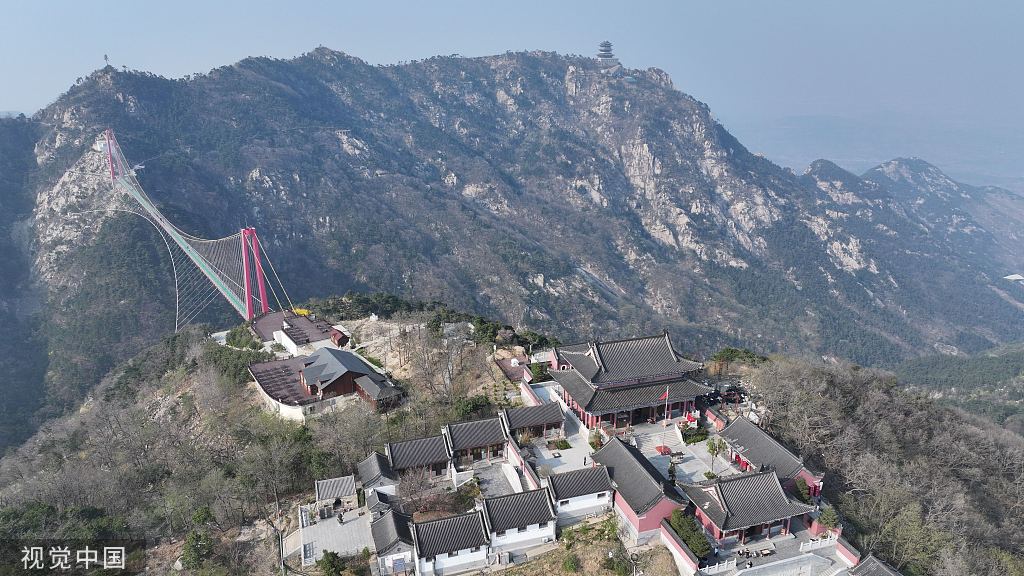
(541, 188)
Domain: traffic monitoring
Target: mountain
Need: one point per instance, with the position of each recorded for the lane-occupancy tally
(990, 384)
(549, 190)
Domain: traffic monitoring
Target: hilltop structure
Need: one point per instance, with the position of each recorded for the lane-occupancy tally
(618, 383)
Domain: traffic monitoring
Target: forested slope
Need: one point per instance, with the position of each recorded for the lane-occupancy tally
(932, 489)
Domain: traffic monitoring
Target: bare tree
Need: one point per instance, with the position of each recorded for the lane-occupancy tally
(413, 489)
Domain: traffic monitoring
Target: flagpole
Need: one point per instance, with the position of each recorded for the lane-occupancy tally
(666, 405)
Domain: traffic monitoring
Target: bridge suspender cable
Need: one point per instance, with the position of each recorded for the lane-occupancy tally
(232, 267)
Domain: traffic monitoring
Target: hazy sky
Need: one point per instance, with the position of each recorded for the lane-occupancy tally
(854, 81)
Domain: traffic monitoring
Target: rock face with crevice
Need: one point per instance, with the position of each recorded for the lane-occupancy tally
(536, 187)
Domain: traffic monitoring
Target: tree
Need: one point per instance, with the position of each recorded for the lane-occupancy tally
(198, 547)
(413, 488)
(716, 446)
(803, 490)
(271, 463)
(828, 517)
(690, 533)
(331, 564)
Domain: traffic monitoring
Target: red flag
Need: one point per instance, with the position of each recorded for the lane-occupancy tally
(665, 395)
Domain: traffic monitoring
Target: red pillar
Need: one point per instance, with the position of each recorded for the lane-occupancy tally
(245, 273)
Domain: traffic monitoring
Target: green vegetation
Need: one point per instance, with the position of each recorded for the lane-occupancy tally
(472, 407)
(803, 491)
(198, 547)
(730, 354)
(691, 533)
(234, 364)
(241, 337)
(539, 372)
(991, 385)
(331, 564)
(562, 444)
(943, 372)
(694, 435)
(828, 518)
(716, 446)
(571, 563)
(355, 305)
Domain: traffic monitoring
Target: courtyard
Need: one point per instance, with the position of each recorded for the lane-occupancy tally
(347, 534)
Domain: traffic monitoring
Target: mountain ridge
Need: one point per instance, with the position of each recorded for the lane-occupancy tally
(545, 189)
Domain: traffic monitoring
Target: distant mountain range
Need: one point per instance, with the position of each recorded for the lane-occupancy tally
(550, 190)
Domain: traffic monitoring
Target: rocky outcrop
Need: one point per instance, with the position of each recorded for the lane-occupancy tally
(540, 188)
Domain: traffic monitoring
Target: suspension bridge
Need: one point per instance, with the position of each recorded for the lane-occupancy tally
(231, 268)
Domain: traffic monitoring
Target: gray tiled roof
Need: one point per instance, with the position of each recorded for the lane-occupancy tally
(377, 501)
(449, 534)
(530, 416)
(476, 434)
(627, 359)
(872, 566)
(332, 488)
(744, 500)
(377, 387)
(328, 364)
(418, 452)
(634, 477)
(391, 530)
(603, 400)
(759, 448)
(373, 468)
(518, 510)
(580, 482)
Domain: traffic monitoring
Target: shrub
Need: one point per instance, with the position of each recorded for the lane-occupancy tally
(828, 517)
(595, 440)
(571, 563)
(331, 564)
(562, 444)
(738, 355)
(803, 491)
(690, 533)
(710, 475)
(539, 372)
(694, 435)
(241, 337)
(198, 547)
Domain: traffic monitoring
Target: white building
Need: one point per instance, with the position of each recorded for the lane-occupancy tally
(519, 521)
(392, 540)
(450, 545)
(300, 335)
(579, 494)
